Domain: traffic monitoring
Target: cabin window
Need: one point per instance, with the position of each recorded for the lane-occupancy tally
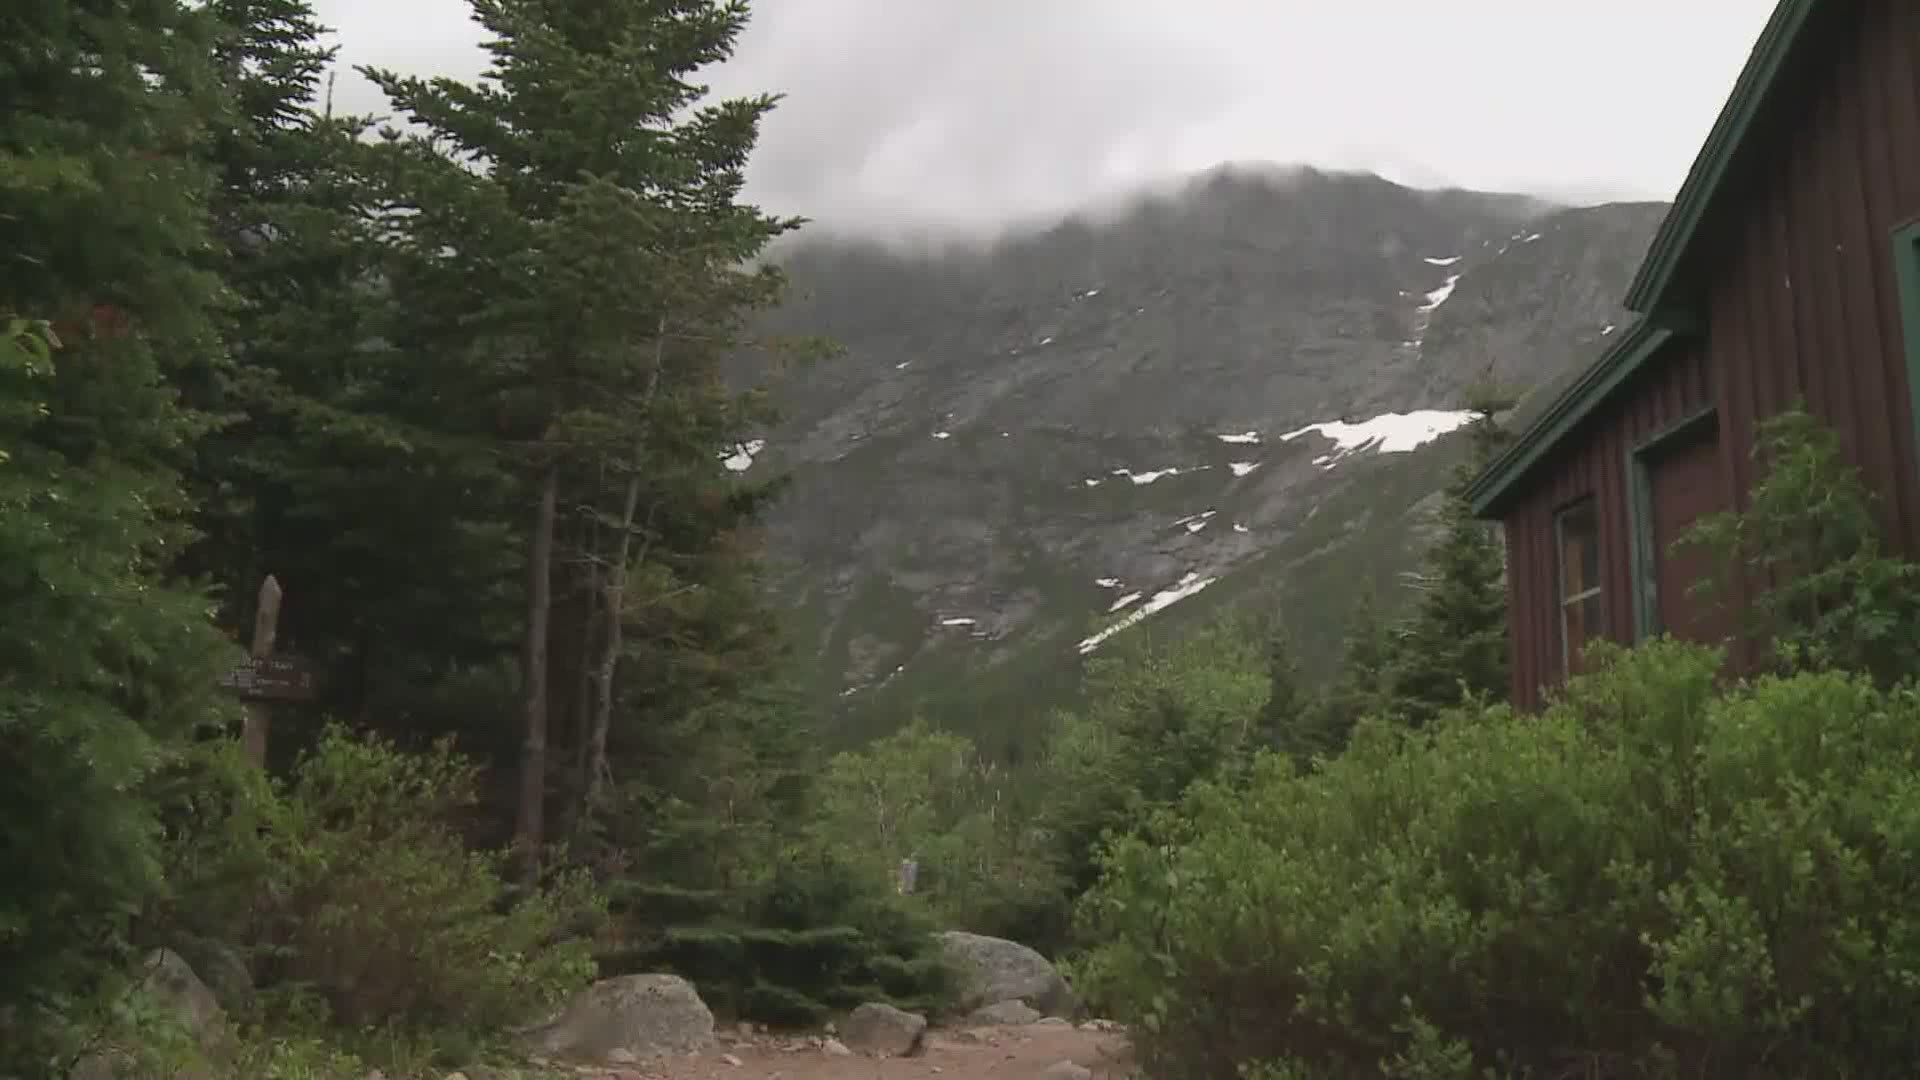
(1578, 529)
(1906, 262)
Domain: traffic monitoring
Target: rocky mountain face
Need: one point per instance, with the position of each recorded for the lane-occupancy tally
(1241, 387)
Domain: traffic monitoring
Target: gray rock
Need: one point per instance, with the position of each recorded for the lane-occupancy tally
(884, 1031)
(994, 970)
(172, 982)
(835, 1048)
(220, 966)
(647, 1015)
(1067, 1070)
(1004, 1014)
(171, 986)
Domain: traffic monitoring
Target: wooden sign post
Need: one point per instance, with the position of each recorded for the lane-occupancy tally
(266, 677)
(266, 625)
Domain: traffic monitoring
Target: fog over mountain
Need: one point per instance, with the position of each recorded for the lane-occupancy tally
(939, 113)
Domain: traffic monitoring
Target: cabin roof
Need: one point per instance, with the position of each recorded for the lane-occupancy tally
(1658, 279)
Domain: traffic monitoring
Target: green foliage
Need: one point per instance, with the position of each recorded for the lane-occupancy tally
(1159, 716)
(108, 664)
(1453, 647)
(1806, 551)
(1360, 689)
(378, 906)
(823, 935)
(351, 888)
(983, 863)
(1651, 878)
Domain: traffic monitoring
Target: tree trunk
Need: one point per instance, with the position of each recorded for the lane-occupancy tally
(531, 827)
(614, 609)
(616, 588)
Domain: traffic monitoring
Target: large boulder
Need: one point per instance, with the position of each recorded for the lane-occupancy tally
(884, 1031)
(221, 967)
(172, 989)
(644, 1015)
(992, 970)
(1004, 1014)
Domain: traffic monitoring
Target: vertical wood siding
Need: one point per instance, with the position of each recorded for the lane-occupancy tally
(1801, 303)
(1594, 464)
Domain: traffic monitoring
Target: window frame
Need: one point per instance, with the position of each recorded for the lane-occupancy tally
(1562, 602)
(1644, 553)
(1906, 270)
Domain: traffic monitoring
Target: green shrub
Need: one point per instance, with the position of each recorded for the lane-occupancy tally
(824, 935)
(1648, 879)
(376, 903)
(1803, 566)
(350, 888)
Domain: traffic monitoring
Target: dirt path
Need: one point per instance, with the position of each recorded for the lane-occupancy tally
(988, 1053)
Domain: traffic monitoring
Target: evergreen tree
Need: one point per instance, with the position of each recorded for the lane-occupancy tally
(577, 265)
(1455, 643)
(333, 469)
(1291, 721)
(1361, 689)
(105, 664)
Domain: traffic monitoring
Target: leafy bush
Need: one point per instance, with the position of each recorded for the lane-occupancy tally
(1803, 564)
(1651, 878)
(351, 887)
(970, 824)
(823, 935)
(377, 905)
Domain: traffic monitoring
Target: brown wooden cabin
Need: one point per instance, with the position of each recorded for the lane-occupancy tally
(1788, 268)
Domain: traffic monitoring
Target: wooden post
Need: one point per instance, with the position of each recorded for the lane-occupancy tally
(266, 624)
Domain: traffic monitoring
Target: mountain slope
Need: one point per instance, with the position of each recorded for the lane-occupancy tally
(1167, 406)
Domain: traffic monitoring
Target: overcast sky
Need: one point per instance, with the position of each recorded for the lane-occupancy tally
(978, 112)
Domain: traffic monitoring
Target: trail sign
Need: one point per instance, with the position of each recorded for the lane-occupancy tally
(273, 678)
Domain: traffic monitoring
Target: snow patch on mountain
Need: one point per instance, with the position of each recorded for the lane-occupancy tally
(1388, 433)
(1439, 296)
(740, 458)
(1189, 585)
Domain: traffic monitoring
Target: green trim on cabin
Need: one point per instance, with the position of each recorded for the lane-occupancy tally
(1637, 345)
(1652, 293)
(1756, 87)
(1906, 265)
(1640, 525)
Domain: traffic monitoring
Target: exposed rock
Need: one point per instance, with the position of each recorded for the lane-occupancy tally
(645, 1015)
(1142, 340)
(1067, 1070)
(884, 1031)
(171, 985)
(835, 1048)
(220, 966)
(993, 970)
(1104, 1026)
(1003, 1014)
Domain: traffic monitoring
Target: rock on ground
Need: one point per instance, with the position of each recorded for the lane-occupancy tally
(884, 1031)
(645, 1015)
(171, 984)
(1003, 1014)
(993, 970)
(1067, 1070)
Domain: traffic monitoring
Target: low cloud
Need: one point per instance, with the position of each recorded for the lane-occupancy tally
(972, 113)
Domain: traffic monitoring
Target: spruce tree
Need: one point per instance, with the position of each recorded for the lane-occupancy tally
(106, 665)
(1361, 688)
(1455, 643)
(571, 231)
